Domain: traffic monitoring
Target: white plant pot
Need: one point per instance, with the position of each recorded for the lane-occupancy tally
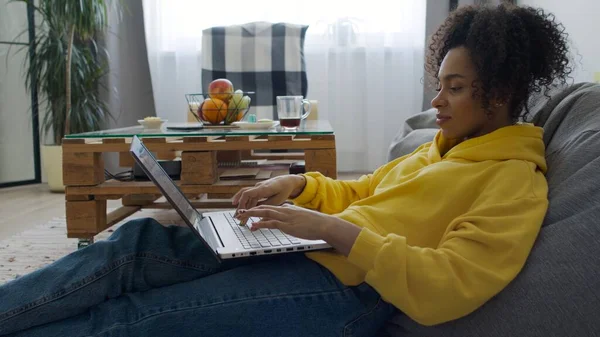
(52, 163)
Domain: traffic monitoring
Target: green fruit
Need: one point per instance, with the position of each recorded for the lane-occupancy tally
(245, 103)
(237, 97)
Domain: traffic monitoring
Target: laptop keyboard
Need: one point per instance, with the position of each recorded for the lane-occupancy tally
(261, 238)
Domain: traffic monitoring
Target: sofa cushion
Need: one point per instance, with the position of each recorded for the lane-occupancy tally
(262, 57)
(558, 291)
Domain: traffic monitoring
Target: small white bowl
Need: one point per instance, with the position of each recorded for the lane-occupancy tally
(152, 124)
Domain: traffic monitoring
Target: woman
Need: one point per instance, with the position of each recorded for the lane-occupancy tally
(434, 234)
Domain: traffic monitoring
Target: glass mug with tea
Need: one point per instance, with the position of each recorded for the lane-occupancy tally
(292, 110)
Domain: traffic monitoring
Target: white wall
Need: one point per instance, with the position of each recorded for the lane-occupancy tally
(580, 18)
(437, 12)
(16, 135)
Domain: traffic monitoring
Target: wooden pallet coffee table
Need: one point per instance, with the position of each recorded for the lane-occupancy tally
(87, 191)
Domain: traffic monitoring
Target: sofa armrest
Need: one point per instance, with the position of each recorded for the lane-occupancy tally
(418, 129)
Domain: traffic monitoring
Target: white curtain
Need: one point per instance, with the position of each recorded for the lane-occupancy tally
(364, 62)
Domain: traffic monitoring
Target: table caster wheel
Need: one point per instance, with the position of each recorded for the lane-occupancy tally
(84, 243)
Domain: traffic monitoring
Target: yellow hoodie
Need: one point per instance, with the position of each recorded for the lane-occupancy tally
(444, 228)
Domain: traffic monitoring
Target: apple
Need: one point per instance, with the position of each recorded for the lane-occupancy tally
(220, 88)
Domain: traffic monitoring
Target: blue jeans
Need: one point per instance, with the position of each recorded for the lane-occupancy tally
(151, 280)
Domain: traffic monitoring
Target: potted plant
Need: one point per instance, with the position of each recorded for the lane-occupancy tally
(69, 65)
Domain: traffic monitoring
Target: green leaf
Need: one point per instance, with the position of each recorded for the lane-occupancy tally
(89, 63)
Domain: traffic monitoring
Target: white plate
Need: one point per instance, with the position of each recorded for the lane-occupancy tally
(256, 125)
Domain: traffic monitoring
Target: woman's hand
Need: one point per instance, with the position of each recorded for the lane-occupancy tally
(274, 191)
(296, 221)
(305, 224)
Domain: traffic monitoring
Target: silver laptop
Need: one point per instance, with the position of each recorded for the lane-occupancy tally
(220, 231)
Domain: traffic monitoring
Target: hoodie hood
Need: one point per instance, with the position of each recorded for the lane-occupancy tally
(520, 142)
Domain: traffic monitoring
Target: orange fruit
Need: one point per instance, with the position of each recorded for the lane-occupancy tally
(240, 115)
(214, 110)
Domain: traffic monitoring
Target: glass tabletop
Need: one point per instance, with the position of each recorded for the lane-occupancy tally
(307, 127)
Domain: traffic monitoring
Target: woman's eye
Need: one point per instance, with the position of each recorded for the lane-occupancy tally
(452, 89)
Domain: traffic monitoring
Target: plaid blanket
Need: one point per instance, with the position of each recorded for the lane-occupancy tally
(267, 58)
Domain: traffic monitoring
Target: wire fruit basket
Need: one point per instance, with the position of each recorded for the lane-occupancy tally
(220, 108)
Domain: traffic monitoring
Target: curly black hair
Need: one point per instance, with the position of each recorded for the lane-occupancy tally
(515, 50)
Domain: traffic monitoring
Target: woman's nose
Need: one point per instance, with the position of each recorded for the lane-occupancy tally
(439, 100)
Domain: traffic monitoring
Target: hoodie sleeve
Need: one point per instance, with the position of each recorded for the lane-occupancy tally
(331, 196)
(480, 253)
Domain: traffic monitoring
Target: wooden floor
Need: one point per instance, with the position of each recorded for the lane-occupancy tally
(25, 207)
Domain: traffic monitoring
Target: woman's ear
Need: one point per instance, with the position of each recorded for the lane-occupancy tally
(500, 99)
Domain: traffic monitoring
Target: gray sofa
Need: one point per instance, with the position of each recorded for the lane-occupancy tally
(558, 291)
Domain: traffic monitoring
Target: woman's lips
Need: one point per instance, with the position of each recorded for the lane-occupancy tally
(442, 119)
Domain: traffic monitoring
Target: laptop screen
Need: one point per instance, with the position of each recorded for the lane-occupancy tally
(164, 182)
